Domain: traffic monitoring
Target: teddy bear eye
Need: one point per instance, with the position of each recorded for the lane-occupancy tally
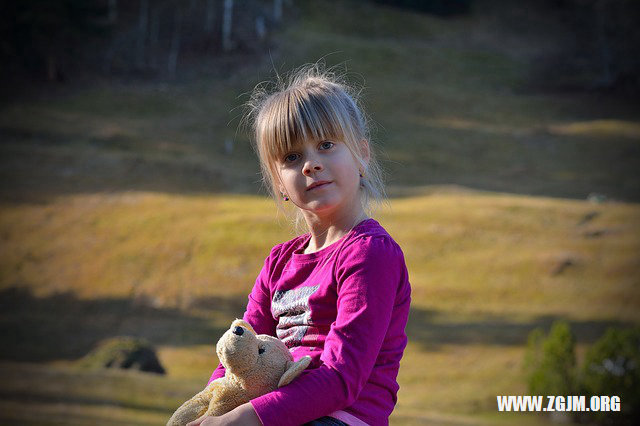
(261, 350)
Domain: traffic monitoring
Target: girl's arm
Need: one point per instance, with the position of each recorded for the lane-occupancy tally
(372, 285)
(243, 415)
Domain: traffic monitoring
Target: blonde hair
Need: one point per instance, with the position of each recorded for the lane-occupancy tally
(313, 104)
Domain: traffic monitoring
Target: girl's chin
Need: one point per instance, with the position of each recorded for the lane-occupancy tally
(320, 207)
(326, 205)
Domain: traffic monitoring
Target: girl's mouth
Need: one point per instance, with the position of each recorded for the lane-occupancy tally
(318, 184)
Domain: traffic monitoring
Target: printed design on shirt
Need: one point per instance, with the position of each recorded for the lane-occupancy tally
(291, 307)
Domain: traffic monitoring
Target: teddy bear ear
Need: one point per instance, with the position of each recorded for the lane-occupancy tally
(243, 323)
(294, 369)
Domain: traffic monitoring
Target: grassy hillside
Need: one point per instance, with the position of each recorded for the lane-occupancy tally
(452, 101)
(124, 212)
(485, 270)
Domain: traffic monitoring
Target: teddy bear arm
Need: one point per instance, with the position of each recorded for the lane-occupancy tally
(194, 407)
(190, 410)
(225, 398)
(293, 370)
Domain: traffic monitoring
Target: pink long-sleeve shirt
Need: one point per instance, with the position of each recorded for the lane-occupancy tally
(346, 306)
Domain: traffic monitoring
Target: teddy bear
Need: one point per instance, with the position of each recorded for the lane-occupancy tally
(255, 364)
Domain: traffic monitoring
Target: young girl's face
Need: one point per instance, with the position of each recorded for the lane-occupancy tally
(321, 177)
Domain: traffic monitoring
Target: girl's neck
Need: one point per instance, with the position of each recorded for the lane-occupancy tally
(326, 231)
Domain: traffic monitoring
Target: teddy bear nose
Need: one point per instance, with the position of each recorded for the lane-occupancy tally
(238, 330)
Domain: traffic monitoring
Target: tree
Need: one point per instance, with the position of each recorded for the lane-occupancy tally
(550, 361)
(227, 22)
(612, 367)
(45, 37)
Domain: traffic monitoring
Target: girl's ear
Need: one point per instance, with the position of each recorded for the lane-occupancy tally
(365, 152)
(278, 183)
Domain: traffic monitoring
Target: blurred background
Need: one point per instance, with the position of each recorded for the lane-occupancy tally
(133, 223)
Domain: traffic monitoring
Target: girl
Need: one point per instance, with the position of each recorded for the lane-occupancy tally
(339, 293)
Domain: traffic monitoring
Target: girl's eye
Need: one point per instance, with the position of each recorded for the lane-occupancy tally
(290, 158)
(326, 145)
(261, 351)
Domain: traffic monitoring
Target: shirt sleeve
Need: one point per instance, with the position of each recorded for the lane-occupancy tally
(368, 275)
(258, 312)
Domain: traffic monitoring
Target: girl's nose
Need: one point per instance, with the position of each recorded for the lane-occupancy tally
(311, 166)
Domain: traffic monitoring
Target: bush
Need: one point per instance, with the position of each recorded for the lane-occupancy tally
(612, 367)
(550, 362)
(123, 353)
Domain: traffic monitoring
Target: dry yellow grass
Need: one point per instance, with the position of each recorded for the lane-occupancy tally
(485, 269)
(504, 254)
(162, 248)
(475, 253)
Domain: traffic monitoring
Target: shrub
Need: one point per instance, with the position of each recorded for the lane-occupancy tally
(124, 353)
(612, 367)
(550, 362)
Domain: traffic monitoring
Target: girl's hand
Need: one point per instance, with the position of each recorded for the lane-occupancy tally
(197, 421)
(244, 415)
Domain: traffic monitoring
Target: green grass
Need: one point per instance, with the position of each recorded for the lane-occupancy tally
(122, 214)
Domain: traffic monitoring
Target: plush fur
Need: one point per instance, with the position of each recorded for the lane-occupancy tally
(255, 364)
